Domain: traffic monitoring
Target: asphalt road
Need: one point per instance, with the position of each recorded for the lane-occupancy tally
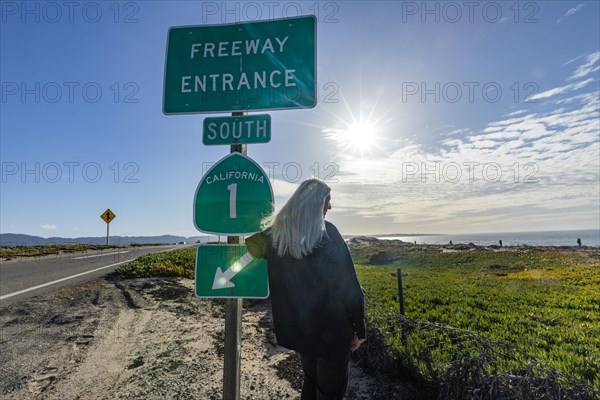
(21, 279)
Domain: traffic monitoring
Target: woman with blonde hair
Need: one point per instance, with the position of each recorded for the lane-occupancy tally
(317, 302)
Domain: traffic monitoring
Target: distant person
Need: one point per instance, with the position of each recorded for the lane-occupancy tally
(500, 242)
(317, 302)
(451, 242)
(579, 242)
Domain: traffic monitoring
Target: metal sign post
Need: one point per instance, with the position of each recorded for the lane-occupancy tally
(233, 320)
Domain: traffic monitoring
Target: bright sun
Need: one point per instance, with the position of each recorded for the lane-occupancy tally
(358, 137)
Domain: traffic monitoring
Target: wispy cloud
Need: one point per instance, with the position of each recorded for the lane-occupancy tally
(570, 12)
(589, 67)
(574, 9)
(560, 90)
(583, 98)
(457, 132)
(518, 112)
(49, 227)
(572, 60)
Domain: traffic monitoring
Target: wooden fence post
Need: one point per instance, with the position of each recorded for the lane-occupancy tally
(401, 301)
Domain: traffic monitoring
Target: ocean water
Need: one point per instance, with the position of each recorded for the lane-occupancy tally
(590, 237)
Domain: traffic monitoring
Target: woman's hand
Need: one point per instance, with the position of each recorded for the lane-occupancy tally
(356, 342)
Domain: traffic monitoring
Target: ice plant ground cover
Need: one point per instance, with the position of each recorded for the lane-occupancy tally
(528, 304)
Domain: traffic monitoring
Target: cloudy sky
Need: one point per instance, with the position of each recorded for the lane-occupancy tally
(433, 117)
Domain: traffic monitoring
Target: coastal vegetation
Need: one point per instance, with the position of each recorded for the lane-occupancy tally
(514, 320)
(525, 312)
(8, 252)
(177, 263)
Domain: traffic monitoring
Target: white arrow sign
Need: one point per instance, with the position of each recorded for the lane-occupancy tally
(223, 279)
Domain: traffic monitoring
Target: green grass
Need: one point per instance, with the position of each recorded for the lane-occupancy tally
(544, 303)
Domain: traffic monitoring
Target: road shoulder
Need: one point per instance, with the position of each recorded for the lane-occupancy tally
(145, 339)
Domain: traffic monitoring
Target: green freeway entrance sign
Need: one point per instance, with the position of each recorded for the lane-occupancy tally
(259, 65)
(233, 197)
(230, 271)
(234, 130)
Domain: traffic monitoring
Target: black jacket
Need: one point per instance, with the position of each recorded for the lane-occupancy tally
(317, 301)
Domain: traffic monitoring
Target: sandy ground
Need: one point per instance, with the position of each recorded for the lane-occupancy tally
(150, 339)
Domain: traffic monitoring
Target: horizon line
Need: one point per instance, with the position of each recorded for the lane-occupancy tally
(200, 234)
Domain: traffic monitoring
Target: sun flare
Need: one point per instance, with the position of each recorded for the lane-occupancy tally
(361, 135)
(361, 131)
(358, 137)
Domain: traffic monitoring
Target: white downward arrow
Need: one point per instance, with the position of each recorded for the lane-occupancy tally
(223, 279)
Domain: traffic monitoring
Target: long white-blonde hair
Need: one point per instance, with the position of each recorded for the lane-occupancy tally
(300, 224)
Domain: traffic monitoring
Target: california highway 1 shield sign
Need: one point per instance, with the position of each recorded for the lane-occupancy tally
(233, 197)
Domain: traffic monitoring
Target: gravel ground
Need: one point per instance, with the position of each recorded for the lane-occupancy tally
(150, 339)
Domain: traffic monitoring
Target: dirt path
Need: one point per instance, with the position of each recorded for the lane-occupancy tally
(148, 339)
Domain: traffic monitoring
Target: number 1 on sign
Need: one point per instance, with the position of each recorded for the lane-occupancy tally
(232, 195)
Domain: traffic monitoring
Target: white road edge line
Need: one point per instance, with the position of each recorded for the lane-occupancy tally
(100, 255)
(6, 296)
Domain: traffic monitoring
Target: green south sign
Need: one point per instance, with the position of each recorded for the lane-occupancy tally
(233, 197)
(237, 129)
(230, 271)
(262, 65)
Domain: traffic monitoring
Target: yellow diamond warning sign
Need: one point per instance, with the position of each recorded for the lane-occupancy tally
(107, 216)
